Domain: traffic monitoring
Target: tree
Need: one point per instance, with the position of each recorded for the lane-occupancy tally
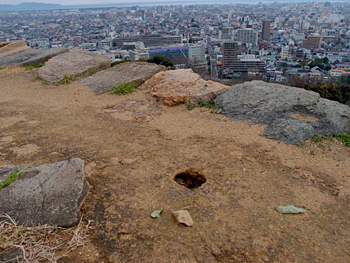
(161, 60)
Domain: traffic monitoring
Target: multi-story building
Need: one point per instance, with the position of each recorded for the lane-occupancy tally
(230, 50)
(312, 42)
(148, 39)
(266, 30)
(226, 33)
(284, 52)
(40, 43)
(247, 36)
(139, 54)
(196, 55)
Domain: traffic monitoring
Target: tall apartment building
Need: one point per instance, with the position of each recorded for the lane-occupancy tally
(247, 36)
(266, 30)
(230, 50)
(233, 62)
(312, 42)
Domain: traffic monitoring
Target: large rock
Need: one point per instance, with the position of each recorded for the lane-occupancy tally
(47, 194)
(72, 64)
(292, 114)
(136, 72)
(182, 86)
(11, 48)
(32, 56)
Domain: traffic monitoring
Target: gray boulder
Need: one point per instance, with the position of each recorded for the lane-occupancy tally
(292, 114)
(32, 56)
(73, 64)
(136, 72)
(47, 194)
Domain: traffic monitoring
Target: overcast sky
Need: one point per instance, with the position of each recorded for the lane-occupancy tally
(76, 2)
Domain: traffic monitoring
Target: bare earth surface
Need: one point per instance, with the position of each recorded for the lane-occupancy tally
(133, 147)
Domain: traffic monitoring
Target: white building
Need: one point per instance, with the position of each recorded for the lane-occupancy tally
(247, 36)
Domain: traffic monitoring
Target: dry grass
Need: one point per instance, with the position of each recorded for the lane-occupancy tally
(41, 243)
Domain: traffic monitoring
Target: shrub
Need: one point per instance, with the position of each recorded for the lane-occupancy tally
(124, 88)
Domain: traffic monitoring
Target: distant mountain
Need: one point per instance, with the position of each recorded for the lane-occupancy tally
(29, 6)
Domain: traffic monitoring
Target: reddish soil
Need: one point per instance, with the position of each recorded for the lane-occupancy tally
(133, 148)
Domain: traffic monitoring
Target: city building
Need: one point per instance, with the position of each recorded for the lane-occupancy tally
(178, 54)
(226, 33)
(148, 40)
(230, 50)
(266, 30)
(139, 54)
(312, 42)
(284, 52)
(247, 36)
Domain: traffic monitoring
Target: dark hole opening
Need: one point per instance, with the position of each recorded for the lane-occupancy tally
(190, 179)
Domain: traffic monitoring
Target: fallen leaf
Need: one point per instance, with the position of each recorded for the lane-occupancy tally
(290, 209)
(157, 213)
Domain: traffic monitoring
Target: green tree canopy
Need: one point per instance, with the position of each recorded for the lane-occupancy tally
(161, 60)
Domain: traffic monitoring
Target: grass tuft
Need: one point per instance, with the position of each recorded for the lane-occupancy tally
(190, 106)
(30, 67)
(204, 104)
(124, 88)
(343, 137)
(10, 179)
(42, 243)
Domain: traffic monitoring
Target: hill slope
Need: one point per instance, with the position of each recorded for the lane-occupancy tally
(134, 146)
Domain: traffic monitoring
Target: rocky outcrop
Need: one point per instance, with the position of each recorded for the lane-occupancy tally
(292, 114)
(47, 194)
(136, 72)
(182, 86)
(11, 48)
(32, 56)
(73, 64)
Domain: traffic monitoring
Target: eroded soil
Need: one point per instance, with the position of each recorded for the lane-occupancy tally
(133, 148)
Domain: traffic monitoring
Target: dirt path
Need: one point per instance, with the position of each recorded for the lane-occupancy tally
(133, 147)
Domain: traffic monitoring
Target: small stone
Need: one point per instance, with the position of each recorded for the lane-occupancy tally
(183, 217)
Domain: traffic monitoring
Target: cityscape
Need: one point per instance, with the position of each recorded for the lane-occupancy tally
(275, 42)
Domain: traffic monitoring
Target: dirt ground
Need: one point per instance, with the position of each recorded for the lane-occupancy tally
(133, 148)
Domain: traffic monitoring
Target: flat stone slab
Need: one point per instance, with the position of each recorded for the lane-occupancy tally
(72, 64)
(12, 48)
(47, 194)
(174, 87)
(32, 56)
(136, 72)
(292, 114)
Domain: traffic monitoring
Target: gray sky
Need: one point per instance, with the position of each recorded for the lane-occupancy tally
(75, 2)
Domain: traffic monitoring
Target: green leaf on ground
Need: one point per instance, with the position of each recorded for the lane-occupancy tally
(157, 213)
(290, 209)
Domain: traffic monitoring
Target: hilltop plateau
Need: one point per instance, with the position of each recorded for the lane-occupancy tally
(134, 146)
